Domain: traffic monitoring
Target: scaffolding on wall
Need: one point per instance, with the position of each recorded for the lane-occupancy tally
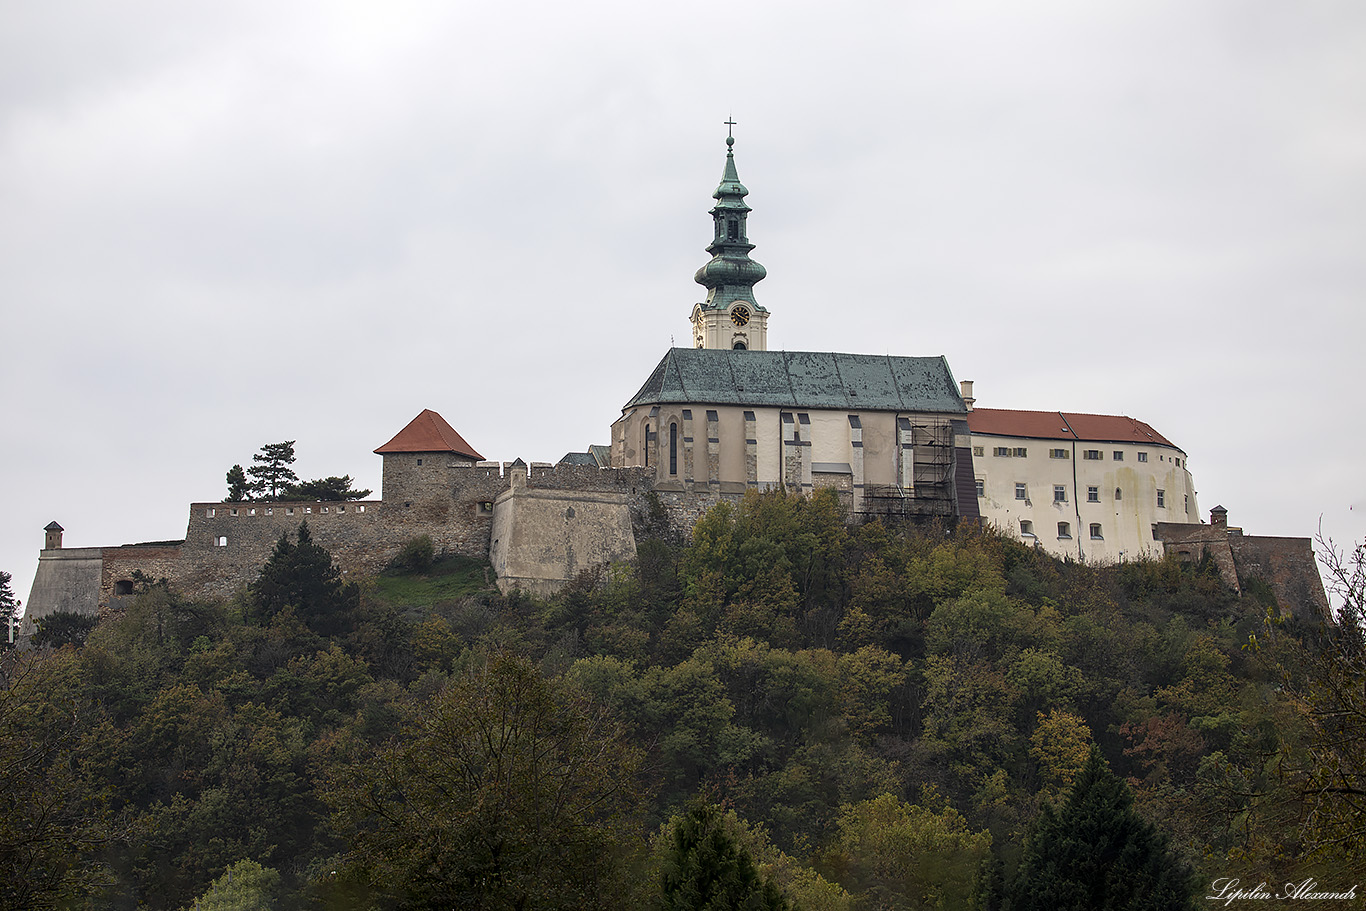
(932, 494)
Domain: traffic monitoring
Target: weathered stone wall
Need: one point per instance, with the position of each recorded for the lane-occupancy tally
(67, 580)
(1288, 565)
(543, 538)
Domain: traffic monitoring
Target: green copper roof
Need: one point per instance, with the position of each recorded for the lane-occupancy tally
(731, 274)
(802, 379)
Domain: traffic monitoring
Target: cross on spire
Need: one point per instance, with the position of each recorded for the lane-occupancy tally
(730, 131)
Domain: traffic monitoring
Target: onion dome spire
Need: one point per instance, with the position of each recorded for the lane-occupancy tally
(731, 274)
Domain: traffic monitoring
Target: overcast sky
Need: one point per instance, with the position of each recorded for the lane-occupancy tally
(223, 225)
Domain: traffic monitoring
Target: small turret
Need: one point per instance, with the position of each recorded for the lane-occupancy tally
(52, 537)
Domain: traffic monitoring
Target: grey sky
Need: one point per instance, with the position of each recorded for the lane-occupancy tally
(232, 225)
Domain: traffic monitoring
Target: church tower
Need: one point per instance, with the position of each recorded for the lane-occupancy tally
(730, 317)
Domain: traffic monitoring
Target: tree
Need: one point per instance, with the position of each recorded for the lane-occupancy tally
(708, 870)
(245, 886)
(329, 489)
(903, 856)
(270, 471)
(64, 628)
(1324, 680)
(53, 825)
(1095, 851)
(506, 790)
(9, 608)
(239, 488)
(302, 575)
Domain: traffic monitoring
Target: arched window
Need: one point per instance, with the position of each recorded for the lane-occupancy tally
(645, 447)
(123, 587)
(739, 345)
(673, 448)
(1119, 494)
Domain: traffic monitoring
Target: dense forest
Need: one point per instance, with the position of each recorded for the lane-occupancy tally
(781, 711)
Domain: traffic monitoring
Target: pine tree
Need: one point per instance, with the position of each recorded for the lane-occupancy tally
(1095, 851)
(239, 488)
(270, 471)
(707, 870)
(302, 575)
(9, 607)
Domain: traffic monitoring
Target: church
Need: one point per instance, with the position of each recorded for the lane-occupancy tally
(728, 415)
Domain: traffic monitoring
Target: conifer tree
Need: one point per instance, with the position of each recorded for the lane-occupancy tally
(239, 488)
(302, 575)
(9, 607)
(707, 870)
(270, 471)
(1095, 851)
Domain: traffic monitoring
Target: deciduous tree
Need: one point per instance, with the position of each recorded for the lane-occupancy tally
(506, 790)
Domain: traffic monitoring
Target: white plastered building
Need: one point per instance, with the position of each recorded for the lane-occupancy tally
(1090, 487)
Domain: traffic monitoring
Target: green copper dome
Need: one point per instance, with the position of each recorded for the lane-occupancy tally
(731, 274)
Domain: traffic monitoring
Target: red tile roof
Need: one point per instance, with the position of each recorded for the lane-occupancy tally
(429, 432)
(1064, 425)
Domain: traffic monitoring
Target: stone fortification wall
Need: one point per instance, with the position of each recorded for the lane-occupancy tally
(1288, 565)
(542, 538)
(67, 580)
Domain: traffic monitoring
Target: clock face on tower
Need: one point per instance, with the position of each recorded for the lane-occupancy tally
(740, 315)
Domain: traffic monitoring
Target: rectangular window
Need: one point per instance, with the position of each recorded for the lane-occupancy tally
(1002, 451)
(209, 513)
(270, 510)
(1021, 492)
(1059, 493)
(1143, 457)
(1161, 499)
(1119, 494)
(981, 487)
(1154, 532)
(673, 449)
(1026, 528)
(341, 509)
(252, 511)
(308, 510)
(360, 509)
(1095, 532)
(220, 541)
(324, 509)
(1093, 495)
(1064, 530)
(289, 510)
(234, 511)
(1021, 452)
(1092, 455)
(1186, 502)
(1057, 453)
(1118, 455)
(979, 451)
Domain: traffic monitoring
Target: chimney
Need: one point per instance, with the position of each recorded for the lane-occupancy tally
(966, 387)
(52, 540)
(1218, 517)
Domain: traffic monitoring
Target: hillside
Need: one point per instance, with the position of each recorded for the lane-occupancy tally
(880, 716)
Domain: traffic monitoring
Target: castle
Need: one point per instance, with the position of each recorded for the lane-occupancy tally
(895, 437)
